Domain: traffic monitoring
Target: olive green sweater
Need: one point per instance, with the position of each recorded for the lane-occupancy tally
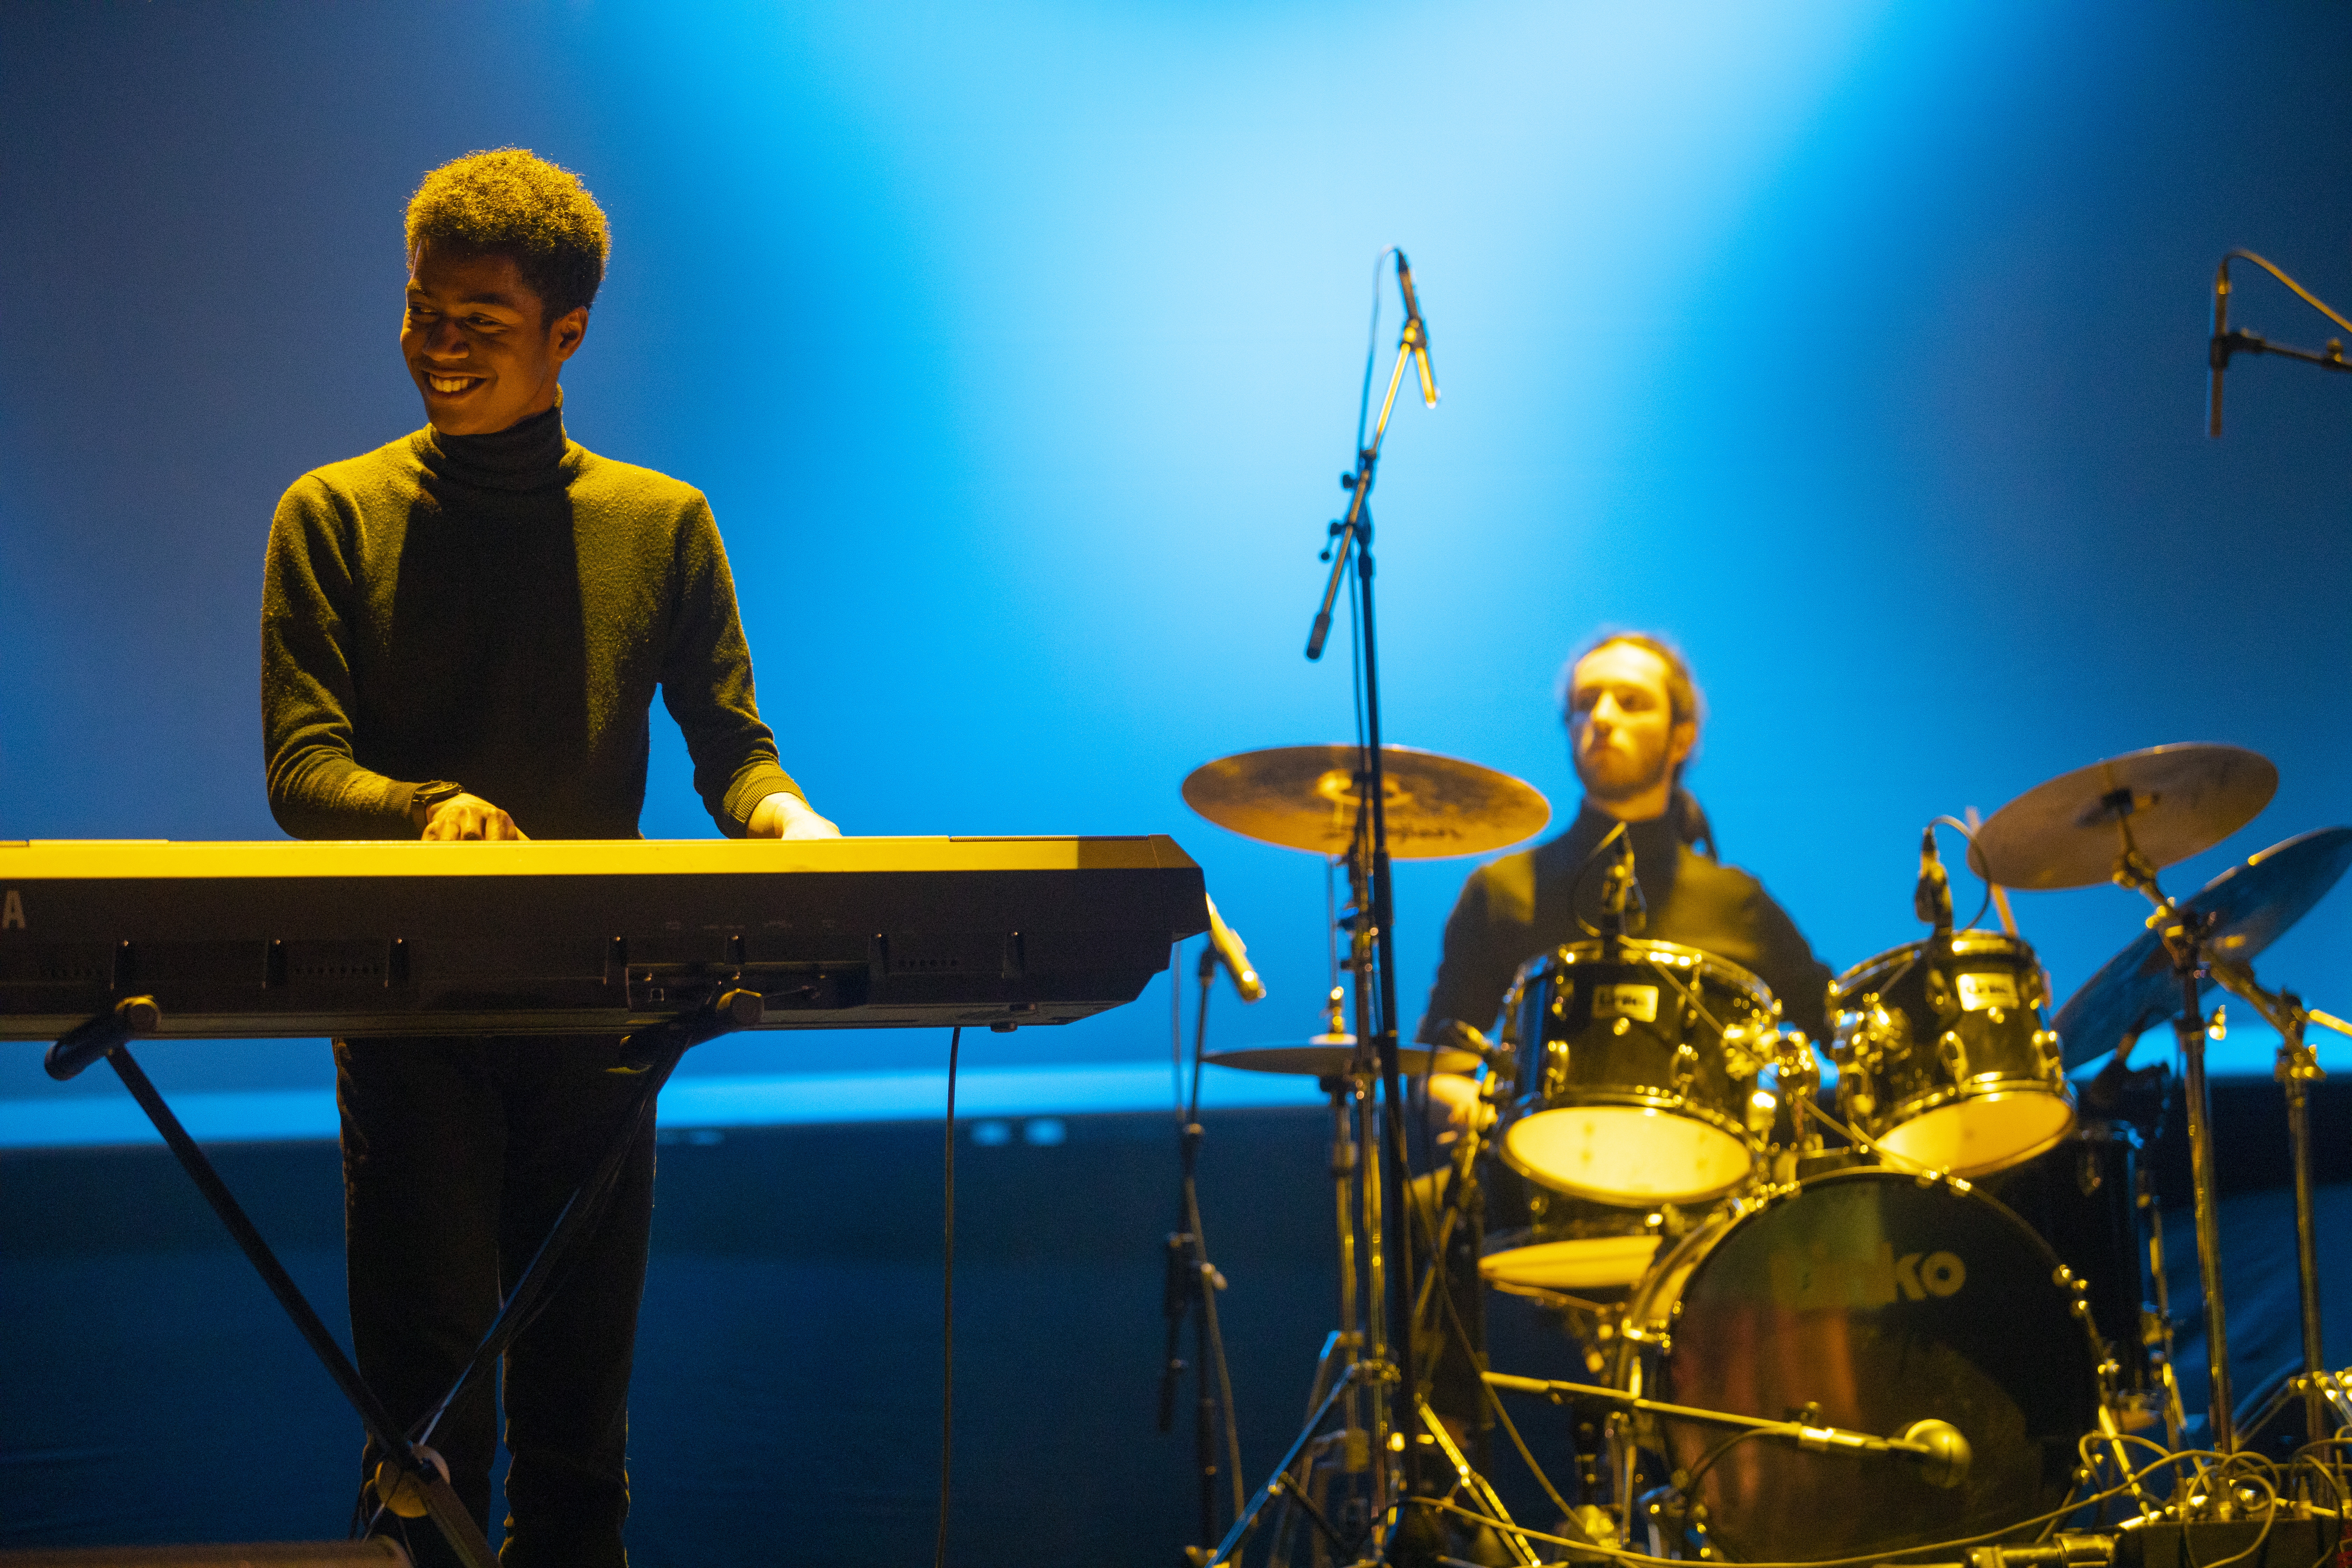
(497, 611)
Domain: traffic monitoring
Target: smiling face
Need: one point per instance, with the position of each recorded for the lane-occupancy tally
(1623, 732)
(476, 344)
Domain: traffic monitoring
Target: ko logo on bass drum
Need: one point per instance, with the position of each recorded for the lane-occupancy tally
(1816, 1278)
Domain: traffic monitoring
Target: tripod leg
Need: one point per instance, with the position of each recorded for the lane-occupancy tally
(447, 1513)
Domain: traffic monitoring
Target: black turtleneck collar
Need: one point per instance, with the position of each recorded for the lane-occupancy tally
(528, 455)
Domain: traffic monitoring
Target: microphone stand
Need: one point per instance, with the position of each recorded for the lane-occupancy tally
(1191, 1287)
(2226, 342)
(1352, 542)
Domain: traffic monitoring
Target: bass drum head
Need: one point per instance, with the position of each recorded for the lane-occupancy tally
(1883, 1302)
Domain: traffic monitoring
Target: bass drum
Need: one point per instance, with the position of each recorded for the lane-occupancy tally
(2088, 1199)
(1878, 1300)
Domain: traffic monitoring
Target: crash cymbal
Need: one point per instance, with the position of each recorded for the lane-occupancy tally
(2181, 799)
(2256, 902)
(1328, 1056)
(1307, 797)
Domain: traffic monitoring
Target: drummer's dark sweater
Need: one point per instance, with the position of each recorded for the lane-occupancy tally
(1519, 906)
(497, 611)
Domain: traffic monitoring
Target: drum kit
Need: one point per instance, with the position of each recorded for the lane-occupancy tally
(1926, 1307)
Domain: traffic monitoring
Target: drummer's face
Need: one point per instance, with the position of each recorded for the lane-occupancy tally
(1620, 724)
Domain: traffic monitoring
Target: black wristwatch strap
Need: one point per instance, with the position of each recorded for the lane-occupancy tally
(428, 796)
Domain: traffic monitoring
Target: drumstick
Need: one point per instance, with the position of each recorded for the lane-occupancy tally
(1999, 893)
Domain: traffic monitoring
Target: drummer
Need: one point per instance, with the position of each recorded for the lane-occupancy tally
(1633, 713)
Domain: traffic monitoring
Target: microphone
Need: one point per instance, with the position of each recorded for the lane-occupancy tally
(1232, 954)
(1416, 331)
(1941, 1451)
(1932, 899)
(1625, 911)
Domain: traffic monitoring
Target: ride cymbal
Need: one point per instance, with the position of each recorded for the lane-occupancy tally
(1308, 797)
(1331, 1056)
(2255, 904)
(2178, 800)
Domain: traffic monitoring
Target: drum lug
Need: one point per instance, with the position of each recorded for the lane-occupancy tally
(1686, 1066)
(2045, 1043)
(1939, 994)
(1955, 1052)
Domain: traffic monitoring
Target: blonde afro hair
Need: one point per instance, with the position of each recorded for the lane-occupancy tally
(512, 202)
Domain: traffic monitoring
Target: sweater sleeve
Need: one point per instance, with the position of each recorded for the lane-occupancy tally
(706, 682)
(1479, 959)
(1786, 963)
(316, 789)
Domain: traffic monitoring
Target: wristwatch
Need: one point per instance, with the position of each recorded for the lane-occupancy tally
(425, 796)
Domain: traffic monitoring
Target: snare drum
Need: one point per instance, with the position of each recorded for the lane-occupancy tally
(1943, 1058)
(1575, 1247)
(1634, 1068)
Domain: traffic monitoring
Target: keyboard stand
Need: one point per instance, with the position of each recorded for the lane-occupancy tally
(417, 1474)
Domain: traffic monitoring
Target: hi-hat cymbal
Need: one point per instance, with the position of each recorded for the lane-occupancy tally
(1331, 1056)
(2255, 903)
(2179, 799)
(1308, 797)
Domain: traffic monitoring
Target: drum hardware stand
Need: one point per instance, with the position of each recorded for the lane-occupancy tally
(1191, 1286)
(2296, 1068)
(412, 1479)
(2225, 342)
(1356, 1374)
(2185, 945)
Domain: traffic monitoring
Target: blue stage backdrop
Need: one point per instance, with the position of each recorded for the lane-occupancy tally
(1859, 347)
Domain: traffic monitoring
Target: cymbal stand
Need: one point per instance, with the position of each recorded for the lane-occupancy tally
(1358, 1375)
(2296, 1068)
(2184, 943)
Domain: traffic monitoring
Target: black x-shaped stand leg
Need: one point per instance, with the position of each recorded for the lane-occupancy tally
(655, 1053)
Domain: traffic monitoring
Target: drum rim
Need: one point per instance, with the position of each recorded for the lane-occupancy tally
(1713, 1229)
(1708, 963)
(1970, 942)
(1945, 1100)
(1992, 1089)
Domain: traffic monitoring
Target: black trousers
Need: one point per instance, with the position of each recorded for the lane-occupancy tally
(458, 1153)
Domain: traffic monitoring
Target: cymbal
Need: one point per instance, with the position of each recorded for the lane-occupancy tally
(1308, 797)
(1330, 1056)
(2256, 902)
(2181, 799)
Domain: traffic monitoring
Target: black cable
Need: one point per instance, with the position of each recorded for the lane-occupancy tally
(1975, 853)
(1689, 1486)
(1372, 350)
(947, 1331)
(1494, 1400)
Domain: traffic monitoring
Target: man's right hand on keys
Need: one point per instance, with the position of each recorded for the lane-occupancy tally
(464, 816)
